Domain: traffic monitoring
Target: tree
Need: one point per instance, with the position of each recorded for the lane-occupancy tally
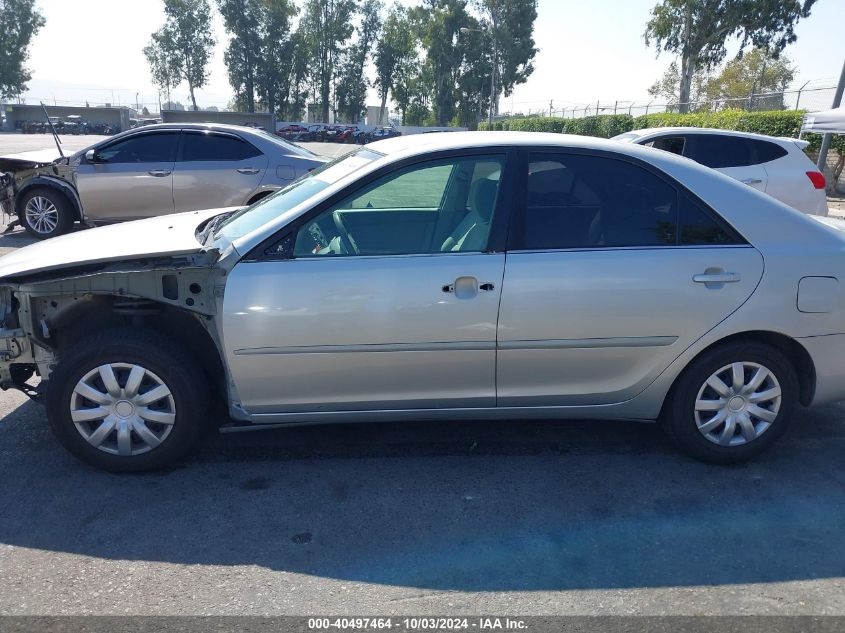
(756, 73)
(277, 54)
(242, 20)
(395, 48)
(185, 41)
(351, 91)
(439, 24)
(697, 30)
(19, 23)
(668, 87)
(511, 23)
(326, 27)
(163, 61)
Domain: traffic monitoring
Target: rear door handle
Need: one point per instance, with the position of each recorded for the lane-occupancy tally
(248, 170)
(751, 181)
(159, 173)
(716, 278)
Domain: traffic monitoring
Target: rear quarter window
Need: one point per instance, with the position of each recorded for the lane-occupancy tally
(766, 151)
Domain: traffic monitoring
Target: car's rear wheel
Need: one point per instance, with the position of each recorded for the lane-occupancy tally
(45, 212)
(732, 403)
(127, 400)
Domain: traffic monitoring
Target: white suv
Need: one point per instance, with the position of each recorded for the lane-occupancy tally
(777, 166)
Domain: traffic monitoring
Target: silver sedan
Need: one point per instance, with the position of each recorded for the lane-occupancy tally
(468, 275)
(156, 170)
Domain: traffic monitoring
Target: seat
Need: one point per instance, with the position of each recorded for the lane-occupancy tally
(472, 232)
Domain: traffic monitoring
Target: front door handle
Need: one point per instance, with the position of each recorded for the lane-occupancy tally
(159, 173)
(462, 287)
(751, 181)
(250, 171)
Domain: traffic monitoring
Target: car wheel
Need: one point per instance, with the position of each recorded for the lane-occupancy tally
(732, 403)
(127, 400)
(45, 212)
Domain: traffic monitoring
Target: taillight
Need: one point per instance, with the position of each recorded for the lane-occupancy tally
(817, 178)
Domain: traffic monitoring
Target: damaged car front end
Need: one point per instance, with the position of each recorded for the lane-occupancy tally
(45, 307)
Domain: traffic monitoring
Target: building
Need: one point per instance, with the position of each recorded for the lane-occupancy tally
(17, 114)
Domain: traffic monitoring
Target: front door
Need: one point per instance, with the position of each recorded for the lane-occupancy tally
(612, 274)
(388, 301)
(130, 178)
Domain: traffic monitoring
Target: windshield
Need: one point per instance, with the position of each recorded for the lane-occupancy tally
(254, 216)
(627, 136)
(290, 147)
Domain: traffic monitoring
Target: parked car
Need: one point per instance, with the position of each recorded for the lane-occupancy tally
(440, 276)
(776, 166)
(154, 170)
(346, 135)
(289, 131)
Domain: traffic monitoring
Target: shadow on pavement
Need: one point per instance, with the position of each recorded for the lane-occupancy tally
(468, 506)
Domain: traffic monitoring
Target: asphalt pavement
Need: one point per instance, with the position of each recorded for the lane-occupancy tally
(515, 517)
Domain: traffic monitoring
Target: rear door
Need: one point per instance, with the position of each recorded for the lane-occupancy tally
(130, 178)
(734, 156)
(215, 169)
(611, 273)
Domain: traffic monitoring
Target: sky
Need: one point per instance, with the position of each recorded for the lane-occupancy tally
(589, 50)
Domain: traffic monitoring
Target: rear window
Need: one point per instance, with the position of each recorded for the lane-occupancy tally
(202, 146)
(716, 151)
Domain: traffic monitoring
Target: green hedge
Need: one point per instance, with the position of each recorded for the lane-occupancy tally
(604, 126)
(772, 123)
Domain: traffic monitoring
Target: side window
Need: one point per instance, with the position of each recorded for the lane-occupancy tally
(766, 151)
(432, 207)
(158, 147)
(697, 227)
(674, 144)
(717, 151)
(203, 146)
(579, 201)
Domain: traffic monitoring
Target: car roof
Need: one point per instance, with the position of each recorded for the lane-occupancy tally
(708, 130)
(424, 143)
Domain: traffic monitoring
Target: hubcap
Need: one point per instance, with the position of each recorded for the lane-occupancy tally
(41, 214)
(122, 409)
(737, 404)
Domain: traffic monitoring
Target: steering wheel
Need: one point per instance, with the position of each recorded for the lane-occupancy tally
(343, 233)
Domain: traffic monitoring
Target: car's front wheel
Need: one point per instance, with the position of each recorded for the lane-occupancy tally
(732, 403)
(127, 400)
(45, 212)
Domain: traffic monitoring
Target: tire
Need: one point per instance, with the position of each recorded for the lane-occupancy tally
(175, 419)
(45, 212)
(704, 437)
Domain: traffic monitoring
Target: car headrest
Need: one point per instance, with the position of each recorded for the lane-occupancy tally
(482, 197)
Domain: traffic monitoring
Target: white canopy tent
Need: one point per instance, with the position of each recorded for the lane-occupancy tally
(827, 122)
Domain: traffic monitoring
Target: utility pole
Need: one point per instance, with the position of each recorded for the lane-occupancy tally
(551, 103)
(837, 101)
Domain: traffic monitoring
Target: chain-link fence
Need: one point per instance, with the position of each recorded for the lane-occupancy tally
(812, 96)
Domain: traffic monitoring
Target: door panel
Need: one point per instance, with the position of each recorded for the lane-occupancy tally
(215, 170)
(752, 175)
(359, 333)
(132, 178)
(129, 191)
(597, 326)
